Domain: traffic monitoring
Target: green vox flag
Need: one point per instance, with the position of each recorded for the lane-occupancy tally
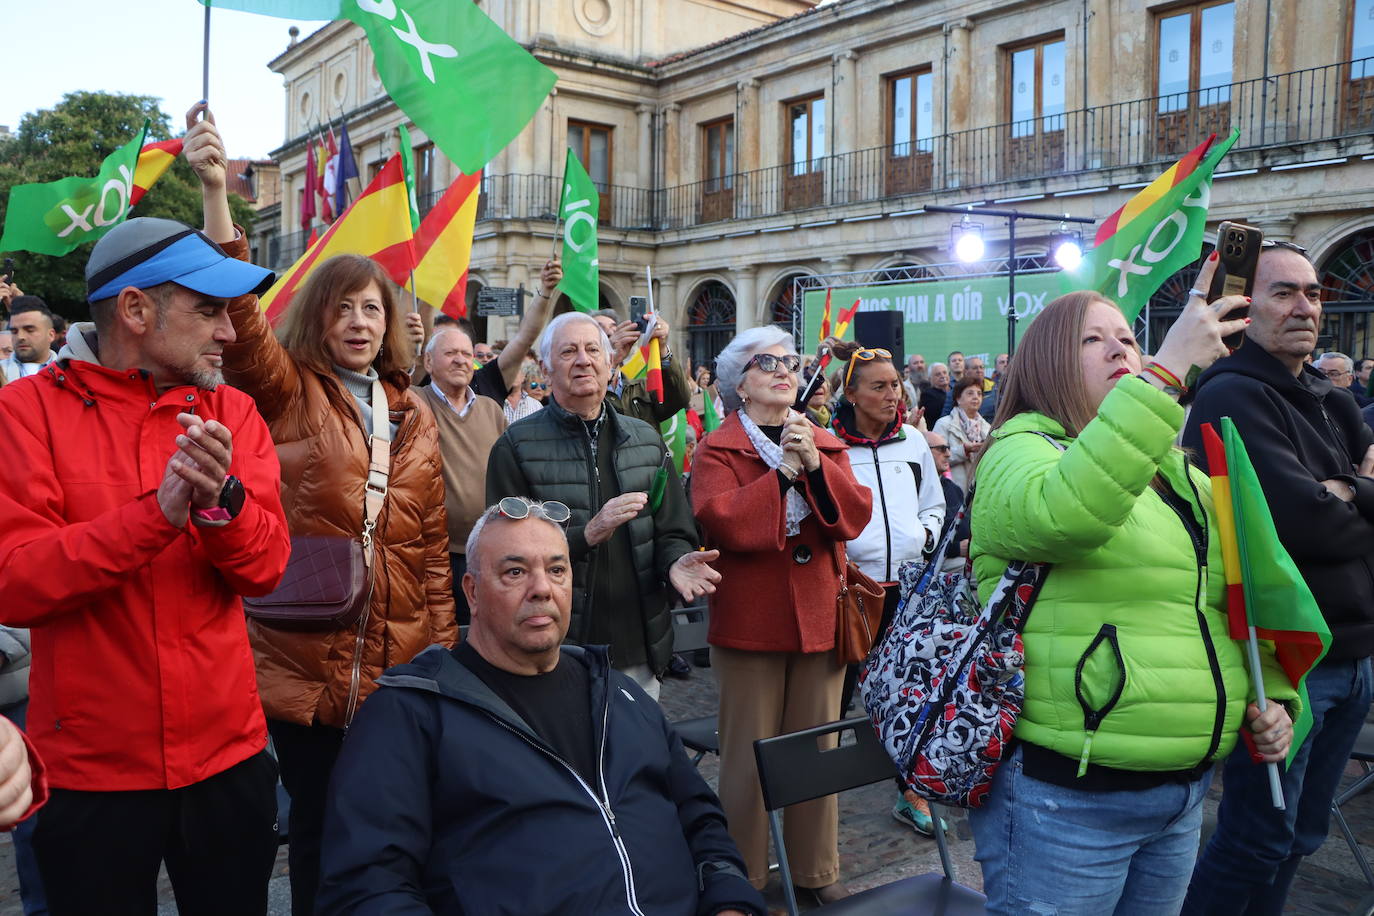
(581, 268)
(468, 85)
(1278, 603)
(674, 430)
(60, 216)
(1155, 234)
(408, 167)
(710, 420)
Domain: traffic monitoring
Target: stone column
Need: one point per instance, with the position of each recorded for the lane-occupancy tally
(844, 127)
(672, 141)
(1276, 228)
(1100, 90)
(747, 155)
(646, 127)
(958, 97)
(528, 195)
(746, 297)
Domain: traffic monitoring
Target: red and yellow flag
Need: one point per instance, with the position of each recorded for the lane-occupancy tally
(1175, 175)
(377, 224)
(647, 362)
(846, 316)
(825, 316)
(153, 160)
(443, 247)
(1264, 588)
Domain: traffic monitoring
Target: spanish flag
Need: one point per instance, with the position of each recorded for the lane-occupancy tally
(1264, 589)
(647, 362)
(377, 224)
(841, 325)
(825, 316)
(443, 247)
(153, 160)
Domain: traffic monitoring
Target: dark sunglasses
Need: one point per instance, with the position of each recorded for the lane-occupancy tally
(517, 507)
(769, 363)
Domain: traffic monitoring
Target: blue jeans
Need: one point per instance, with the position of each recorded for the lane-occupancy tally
(31, 894)
(1251, 859)
(1046, 850)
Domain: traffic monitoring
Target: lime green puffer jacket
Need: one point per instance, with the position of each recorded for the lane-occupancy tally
(1128, 662)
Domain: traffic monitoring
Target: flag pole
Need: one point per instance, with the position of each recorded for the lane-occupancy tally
(1257, 674)
(205, 58)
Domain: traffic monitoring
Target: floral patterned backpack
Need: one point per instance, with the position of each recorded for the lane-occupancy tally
(944, 687)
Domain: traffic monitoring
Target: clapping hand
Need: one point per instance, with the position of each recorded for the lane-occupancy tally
(692, 574)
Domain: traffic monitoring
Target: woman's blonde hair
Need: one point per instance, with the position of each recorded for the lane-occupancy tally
(1046, 376)
(314, 306)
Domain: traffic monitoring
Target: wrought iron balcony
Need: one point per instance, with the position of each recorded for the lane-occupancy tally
(1332, 104)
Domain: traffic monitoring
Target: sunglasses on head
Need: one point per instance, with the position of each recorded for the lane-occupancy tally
(517, 507)
(865, 354)
(769, 363)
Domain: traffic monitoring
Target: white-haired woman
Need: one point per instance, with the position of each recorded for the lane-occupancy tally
(775, 494)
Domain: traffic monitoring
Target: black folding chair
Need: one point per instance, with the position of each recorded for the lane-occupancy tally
(698, 735)
(793, 769)
(1364, 755)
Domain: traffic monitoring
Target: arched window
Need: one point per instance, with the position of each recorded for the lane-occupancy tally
(1347, 279)
(710, 321)
(784, 305)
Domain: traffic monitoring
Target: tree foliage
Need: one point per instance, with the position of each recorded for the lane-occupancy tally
(72, 138)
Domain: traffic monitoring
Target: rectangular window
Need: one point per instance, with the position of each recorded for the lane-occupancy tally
(806, 134)
(424, 176)
(1194, 60)
(1195, 46)
(718, 148)
(1362, 38)
(1036, 100)
(591, 143)
(911, 113)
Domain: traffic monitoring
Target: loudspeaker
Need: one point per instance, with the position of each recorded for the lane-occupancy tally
(882, 330)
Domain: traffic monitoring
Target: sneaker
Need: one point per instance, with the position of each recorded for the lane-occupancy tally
(904, 812)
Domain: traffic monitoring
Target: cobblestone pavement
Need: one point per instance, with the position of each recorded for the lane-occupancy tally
(875, 849)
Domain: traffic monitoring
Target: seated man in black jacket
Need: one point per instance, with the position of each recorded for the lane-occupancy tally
(512, 774)
(1312, 453)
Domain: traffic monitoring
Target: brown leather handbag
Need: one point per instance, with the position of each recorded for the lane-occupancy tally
(858, 613)
(328, 580)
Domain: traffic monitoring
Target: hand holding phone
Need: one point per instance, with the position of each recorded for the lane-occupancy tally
(1238, 251)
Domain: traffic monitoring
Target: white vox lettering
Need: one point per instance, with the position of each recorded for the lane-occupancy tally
(387, 9)
(121, 189)
(575, 213)
(78, 220)
(1127, 266)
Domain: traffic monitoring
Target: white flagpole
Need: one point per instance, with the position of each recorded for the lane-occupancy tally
(205, 58)
(1257, 674)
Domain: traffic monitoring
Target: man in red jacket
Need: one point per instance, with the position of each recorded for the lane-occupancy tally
(139, 499)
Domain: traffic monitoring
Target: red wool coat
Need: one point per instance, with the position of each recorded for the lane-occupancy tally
(777, 593)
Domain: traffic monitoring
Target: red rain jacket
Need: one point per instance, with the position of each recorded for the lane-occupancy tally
(142, 675)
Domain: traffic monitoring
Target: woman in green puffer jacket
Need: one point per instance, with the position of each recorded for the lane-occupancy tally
(1133, 687)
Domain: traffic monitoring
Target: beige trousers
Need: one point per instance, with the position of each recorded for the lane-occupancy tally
(763, 694)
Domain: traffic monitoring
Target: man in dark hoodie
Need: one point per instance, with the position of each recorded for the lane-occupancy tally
(1312, 452)
(513, 774)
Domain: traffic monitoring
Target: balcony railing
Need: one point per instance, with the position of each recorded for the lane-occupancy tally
(1305, 106)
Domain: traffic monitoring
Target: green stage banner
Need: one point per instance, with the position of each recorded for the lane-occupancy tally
(952, 313)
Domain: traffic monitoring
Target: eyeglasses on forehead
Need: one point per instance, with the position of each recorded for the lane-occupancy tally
(865, 354)
(769, 363)
(518, 507)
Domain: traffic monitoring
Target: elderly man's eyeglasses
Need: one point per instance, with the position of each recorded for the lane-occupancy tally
(769, 363)
(517, 507)
(1336, 373)
(864, 354)
(939, 448)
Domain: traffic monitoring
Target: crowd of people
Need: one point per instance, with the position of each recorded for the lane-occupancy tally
(509, 535)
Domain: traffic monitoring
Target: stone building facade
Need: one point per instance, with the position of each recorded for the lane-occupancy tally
(743, 147)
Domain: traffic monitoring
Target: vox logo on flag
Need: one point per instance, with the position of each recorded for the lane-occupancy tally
(581, 265)
(387, 9)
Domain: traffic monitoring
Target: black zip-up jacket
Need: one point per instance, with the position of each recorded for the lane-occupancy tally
(444, 801)
(1297, 434)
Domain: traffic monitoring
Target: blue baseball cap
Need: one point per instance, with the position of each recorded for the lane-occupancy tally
(146, 251)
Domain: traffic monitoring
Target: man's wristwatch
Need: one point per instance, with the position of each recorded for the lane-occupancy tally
(230, 503)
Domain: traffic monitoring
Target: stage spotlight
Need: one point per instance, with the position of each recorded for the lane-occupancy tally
(966, 240)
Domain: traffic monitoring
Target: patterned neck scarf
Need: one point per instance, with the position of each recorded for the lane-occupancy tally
(772, 455)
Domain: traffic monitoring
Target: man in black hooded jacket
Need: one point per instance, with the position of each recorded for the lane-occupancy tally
(1312, 453)
(512, 774)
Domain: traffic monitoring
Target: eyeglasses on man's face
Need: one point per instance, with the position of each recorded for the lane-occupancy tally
(1336, 373)
(768, 362)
